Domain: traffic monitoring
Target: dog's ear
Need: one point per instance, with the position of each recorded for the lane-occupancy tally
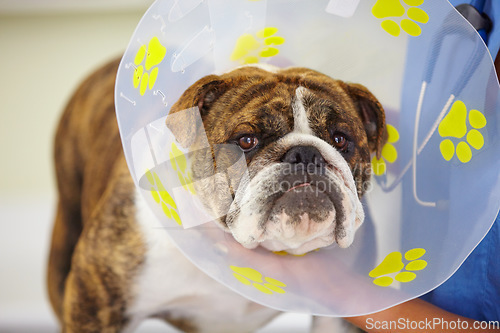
(199, 97)
(373, 116)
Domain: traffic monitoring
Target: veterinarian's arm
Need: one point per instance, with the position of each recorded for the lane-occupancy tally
(417, 313)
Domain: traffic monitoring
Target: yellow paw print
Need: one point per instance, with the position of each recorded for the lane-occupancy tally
(154, 54)
(393, 263)
(389, 152)
(455, 125)
(179, 163)
(393, 8)
(162, 197)
(249, 276)
(250, 48)
(284, 253)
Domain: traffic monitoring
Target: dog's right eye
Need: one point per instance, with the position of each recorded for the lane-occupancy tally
(247, 142)
(340, 141)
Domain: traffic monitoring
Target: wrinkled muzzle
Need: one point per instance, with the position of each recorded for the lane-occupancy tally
(297, 207)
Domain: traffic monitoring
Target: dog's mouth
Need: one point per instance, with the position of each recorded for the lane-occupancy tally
(302, 216)
(295, 210)
(306, 184)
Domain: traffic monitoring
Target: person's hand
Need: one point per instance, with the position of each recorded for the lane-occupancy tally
(420, 316)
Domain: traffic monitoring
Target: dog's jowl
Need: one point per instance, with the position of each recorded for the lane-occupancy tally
(306, 139)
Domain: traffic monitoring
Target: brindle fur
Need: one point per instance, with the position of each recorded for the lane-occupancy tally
(96, 245)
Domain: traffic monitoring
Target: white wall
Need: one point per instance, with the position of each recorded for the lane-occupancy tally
(43, 58)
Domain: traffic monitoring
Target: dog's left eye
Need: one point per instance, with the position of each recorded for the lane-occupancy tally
(340, 141)
(247, 142)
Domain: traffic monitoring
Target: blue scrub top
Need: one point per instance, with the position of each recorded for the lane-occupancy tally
(474, 290)
(492, 9)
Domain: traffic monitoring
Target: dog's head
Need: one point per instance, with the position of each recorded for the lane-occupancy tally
(306, 139)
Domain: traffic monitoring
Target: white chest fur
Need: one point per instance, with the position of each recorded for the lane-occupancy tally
(170, 284)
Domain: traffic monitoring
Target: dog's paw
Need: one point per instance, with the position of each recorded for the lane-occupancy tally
(454, 125)
(332, 325)
(407, 17)
(393, 264)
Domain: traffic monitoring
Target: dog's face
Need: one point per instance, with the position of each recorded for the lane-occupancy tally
(306, 140)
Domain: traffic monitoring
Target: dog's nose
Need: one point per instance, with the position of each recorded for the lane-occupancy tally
(304, 155)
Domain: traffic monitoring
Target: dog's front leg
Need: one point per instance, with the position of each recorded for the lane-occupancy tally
(332, 325)
(98, 292)
(107, 258)
(87, 308)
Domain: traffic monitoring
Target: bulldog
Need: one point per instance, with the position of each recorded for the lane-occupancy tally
(306, 139)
